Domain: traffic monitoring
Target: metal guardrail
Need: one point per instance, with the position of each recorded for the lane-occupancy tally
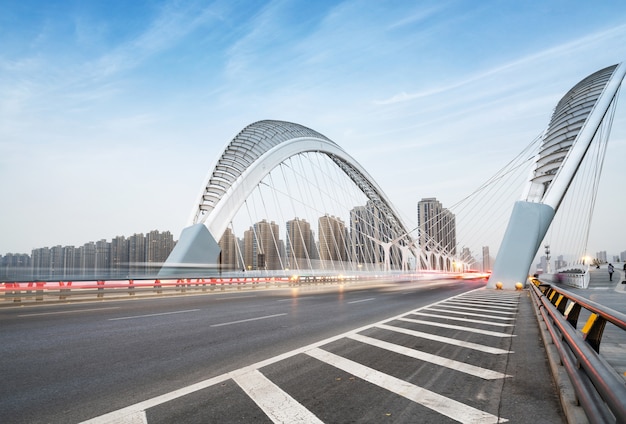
(600, 390)
(22, 292)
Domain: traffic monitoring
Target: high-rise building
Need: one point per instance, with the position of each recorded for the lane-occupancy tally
(333, 239)
(248, 249)
(228, 246)
(15, 266)
(486, 259)
(267, 245)
(437, 226)
(601, 256)
(119, 257)
(87, 254)
(41, 263)
(262, 246)
(102, 264)
(137, 254)
(298, 243)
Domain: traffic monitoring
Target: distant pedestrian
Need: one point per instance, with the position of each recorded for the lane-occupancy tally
(611, 269)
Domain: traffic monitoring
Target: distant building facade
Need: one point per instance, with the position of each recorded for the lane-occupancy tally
(93, 260)
(437, 226)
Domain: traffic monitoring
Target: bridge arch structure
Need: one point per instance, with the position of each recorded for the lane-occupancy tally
(247, 159)
(583, 116)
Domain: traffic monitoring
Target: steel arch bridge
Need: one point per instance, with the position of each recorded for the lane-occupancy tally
(244, 163)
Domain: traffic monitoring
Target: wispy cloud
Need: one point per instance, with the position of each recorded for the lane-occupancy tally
(566, 49)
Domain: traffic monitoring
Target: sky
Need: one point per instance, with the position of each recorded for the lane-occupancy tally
(113, 112)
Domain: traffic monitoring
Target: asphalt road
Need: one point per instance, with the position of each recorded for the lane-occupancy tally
(72, 362)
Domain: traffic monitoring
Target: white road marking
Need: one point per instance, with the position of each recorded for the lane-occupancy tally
(234, 297)
(470, 314)
(362, 300)
(298, 298)
(277, 405)
(67, 312)
(247, 320)
(474, 321)
(489, 305)
(433, 359)
(154, 315)
(118, 416)
(447, 340)
(449, 407)
(457, 327)
(465, 308)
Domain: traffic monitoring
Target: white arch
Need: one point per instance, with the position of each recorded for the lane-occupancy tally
(246, 160)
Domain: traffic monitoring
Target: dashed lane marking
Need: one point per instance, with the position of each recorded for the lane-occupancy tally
(247, 320)
(38, 314)
(154, 315)
(362, 300)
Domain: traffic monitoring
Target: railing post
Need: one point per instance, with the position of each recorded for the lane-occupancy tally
(39, 291)
(593, 331)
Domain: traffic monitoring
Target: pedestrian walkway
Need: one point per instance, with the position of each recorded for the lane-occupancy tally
(473, 358)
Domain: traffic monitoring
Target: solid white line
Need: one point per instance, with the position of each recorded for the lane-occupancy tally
(154, 315)
(362, 300)
(447, 340)
(457, 327)
(470, 314)
(277, 405)
(433, 359)
(475, 321)
(67, 312)
(247, 320)
(449, 407)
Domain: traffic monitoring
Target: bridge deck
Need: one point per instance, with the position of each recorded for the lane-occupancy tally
(478, 357)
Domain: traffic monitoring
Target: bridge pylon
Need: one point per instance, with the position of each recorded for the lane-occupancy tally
(572, 129)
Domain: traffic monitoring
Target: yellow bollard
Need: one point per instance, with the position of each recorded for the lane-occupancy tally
(519, 286)
(499, 285)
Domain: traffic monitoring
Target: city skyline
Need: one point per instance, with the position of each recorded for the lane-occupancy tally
(110, 117)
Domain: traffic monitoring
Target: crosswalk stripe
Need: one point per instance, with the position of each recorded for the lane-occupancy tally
(470, 314)
(474, 321)
(447, 340)
(498, 299)
(489, 305)
(277, 405)
(467, 308)
(449, 407)
(457, 327)
(483, 373)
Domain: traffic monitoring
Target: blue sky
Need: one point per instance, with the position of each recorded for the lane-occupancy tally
(112, 112)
